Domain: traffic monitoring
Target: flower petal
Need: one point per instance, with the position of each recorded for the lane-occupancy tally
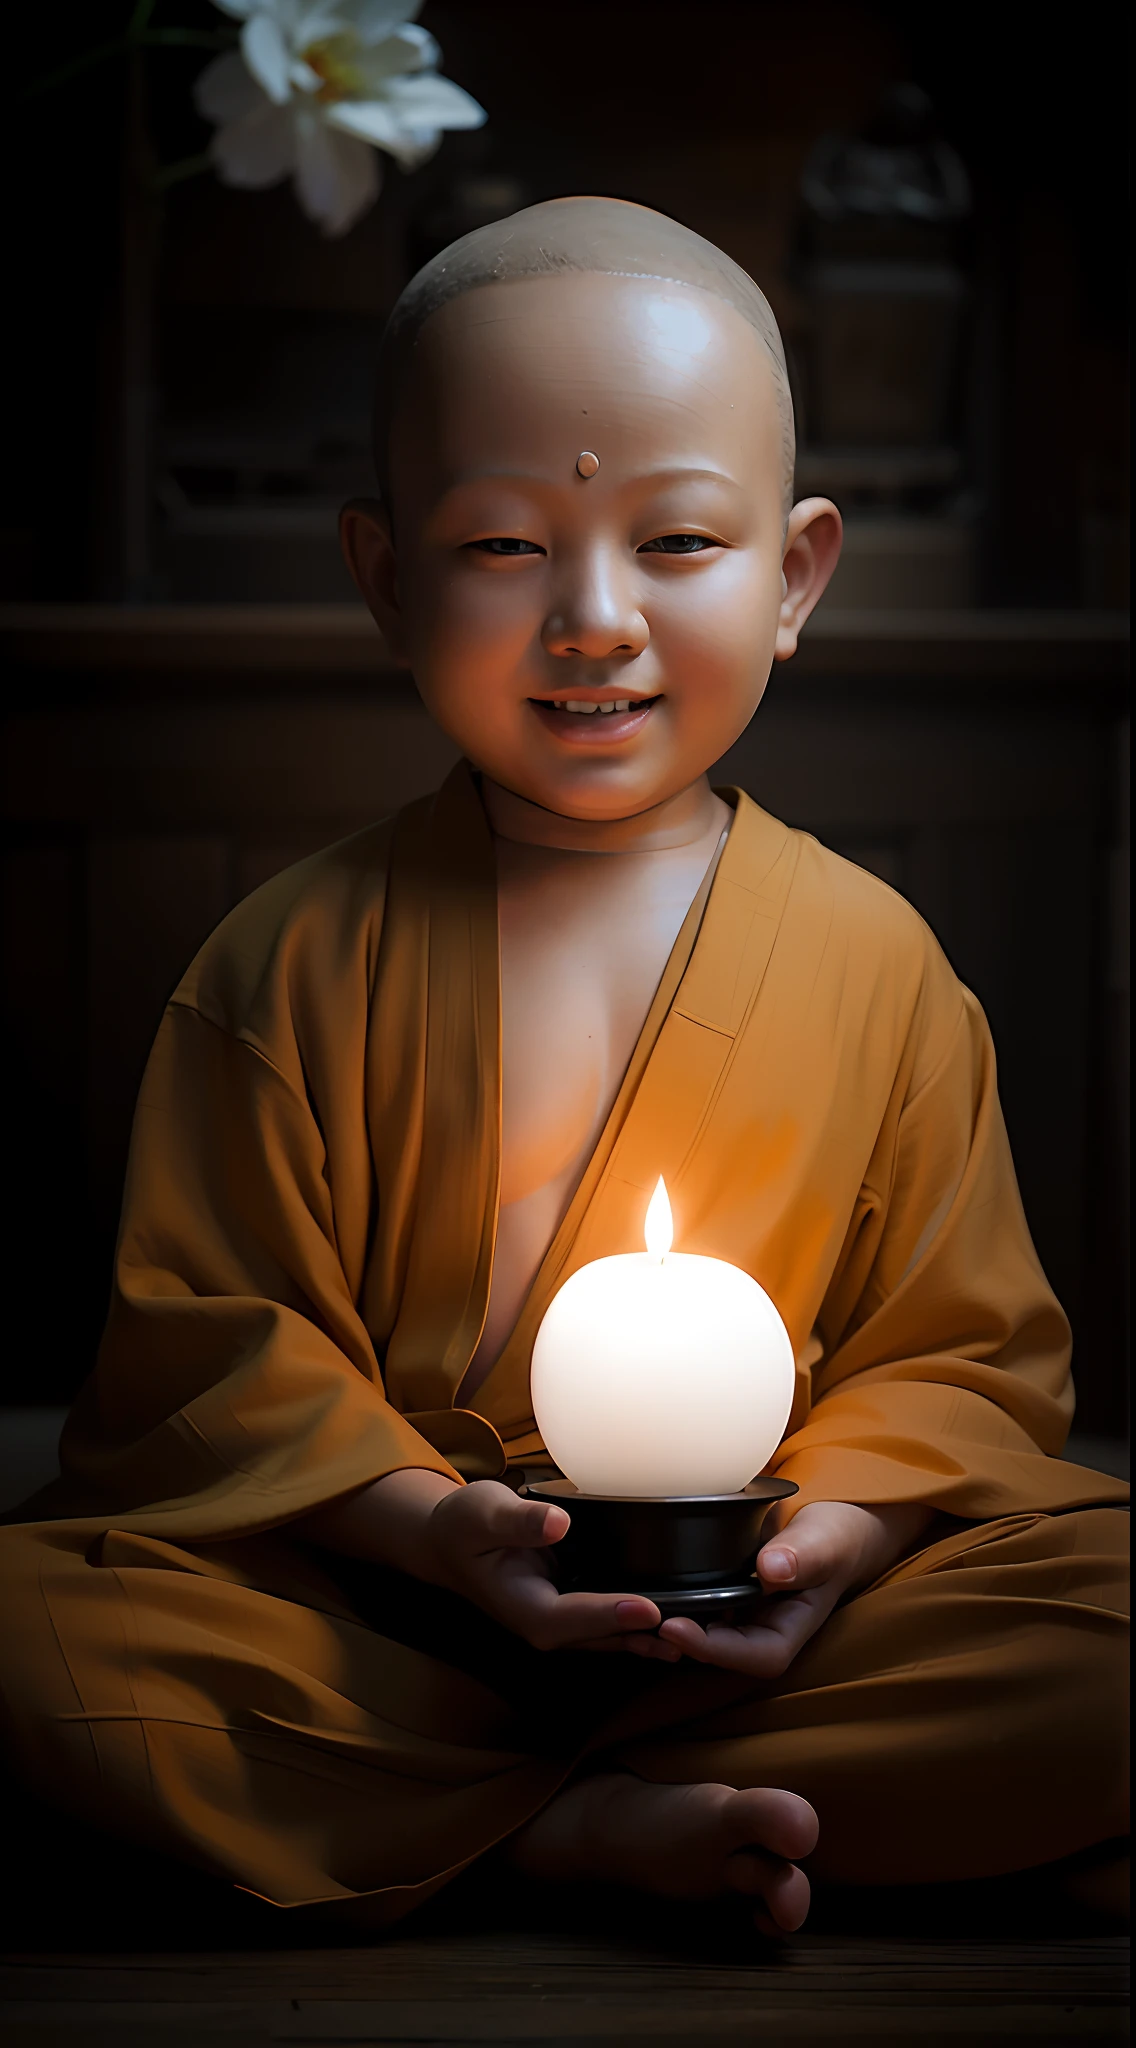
(412, 49)
(337, 178)
(375, 121)
(258, 150)
(427, 101)
(373, 20)
(370, 120)
(287, 14)
(267, 55)
(316, 21)
(238, 9)
(303, 78)
(224, 91)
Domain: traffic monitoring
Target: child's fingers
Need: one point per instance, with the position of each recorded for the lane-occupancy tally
(647, 1646)
(652, 1648)
(495, 1519)
(570, 1620)
(795, 1566)
(758, 1652)
(804, 1557)
(762, 1649)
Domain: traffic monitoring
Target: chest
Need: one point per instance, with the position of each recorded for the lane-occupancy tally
(584, 940)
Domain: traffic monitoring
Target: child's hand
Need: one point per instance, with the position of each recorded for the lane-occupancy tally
(484, 1542)
(828, 1549)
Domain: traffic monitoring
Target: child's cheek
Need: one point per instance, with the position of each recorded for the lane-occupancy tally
(470, 623)
(718, 629)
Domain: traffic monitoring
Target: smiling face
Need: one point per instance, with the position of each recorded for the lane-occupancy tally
(592, 638)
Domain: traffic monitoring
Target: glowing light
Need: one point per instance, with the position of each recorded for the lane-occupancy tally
(658, 1226)
(661, 1373)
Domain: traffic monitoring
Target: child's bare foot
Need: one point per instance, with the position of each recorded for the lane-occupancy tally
(683, 1841)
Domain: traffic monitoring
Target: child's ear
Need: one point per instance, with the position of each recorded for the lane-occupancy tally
(812, 550)
(368, 550)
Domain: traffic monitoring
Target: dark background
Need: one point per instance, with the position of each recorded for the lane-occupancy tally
(707, 113)
(188, 397)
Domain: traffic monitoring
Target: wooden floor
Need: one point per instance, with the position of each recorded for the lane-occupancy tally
(112, 1947)
(116, 1948)
(532, 1988)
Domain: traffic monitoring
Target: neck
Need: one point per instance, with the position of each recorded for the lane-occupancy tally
(678, 821)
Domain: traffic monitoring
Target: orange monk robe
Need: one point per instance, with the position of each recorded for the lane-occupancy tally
(301, 1281)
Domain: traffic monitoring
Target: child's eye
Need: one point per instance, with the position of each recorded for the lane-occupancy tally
(506, 544)
(677, 544)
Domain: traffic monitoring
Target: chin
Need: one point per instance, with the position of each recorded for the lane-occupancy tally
(604, 802)
(618, 787)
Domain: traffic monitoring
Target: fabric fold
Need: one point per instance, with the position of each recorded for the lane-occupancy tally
(306, 1249)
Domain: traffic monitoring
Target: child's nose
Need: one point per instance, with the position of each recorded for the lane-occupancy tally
(594, 613)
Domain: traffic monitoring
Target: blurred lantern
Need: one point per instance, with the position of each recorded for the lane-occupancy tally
(886, 298)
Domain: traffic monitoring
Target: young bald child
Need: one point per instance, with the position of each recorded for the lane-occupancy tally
(283, 1617)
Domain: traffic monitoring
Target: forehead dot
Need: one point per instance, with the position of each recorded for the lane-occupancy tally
(587, 463)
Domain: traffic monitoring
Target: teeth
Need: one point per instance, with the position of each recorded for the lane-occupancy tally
(584, 710)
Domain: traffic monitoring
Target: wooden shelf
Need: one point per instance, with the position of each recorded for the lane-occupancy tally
(335, 640)
(268, 646)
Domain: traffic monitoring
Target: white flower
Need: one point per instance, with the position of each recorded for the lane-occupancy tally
(318, 87)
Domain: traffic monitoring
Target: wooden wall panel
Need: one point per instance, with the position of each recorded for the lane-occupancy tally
(41, 946)
(866, 763)
(152, 900)
(1014, 908)
(257, 860)
(55, 1279)
(236, 765)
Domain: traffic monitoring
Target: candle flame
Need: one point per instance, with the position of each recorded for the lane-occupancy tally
(658, 1227)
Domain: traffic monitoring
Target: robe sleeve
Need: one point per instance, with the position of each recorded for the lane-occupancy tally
(236, 1387)
(944, 1376)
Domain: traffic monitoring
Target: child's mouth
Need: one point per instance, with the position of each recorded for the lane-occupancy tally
(593, 721)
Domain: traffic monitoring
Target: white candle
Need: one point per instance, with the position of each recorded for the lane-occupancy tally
(661, 1372)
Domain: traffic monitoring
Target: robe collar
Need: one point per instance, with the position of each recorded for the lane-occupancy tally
(707, 989)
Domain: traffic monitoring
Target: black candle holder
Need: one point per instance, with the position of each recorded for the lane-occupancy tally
(692, 1555)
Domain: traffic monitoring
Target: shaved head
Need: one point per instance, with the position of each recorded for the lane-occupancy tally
(608, 237)
(584, 424)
